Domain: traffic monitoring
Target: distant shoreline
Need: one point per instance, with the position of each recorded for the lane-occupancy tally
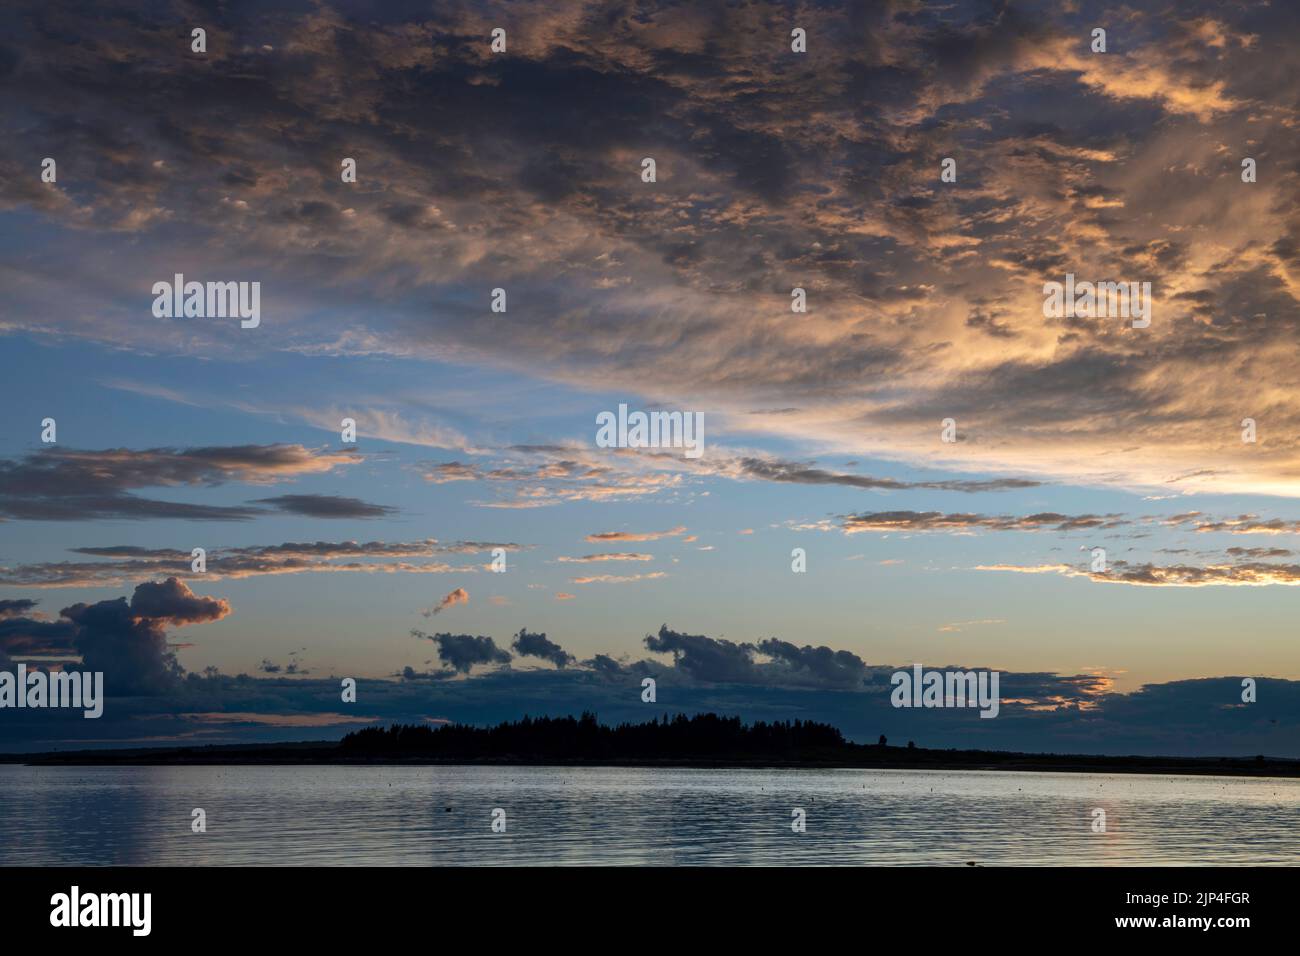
(703, 741)
(872, 758)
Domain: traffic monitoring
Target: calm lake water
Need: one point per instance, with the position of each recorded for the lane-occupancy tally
(442, 815)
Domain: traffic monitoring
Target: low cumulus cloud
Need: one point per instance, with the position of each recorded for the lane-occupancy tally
(705, 658)
(127, 640)
(714, 659)
(461, 652)
(822, 664)
(528, 644)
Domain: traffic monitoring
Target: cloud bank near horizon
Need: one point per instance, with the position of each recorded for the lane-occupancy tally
(152, 701)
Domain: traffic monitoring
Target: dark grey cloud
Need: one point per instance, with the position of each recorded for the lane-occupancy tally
(133, 551)
(58, 484)
(461, 652)
(131, 562)
(1257, 553)
(326, 506)
(294, 666)
(715, 660)
(16, 607)
(125, 640)
(785, 471)
(830, 667)
(527, 644)
(21, 636)
(705, 658)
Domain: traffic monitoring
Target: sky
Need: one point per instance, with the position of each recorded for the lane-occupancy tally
(824, 430)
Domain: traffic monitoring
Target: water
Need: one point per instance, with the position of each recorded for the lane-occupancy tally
(599, 815)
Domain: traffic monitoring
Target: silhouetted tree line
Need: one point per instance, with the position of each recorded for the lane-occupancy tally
(703, 735)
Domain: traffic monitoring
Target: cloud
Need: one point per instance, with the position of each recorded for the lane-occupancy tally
(125, 640)
(19, 607)
(440, 474)
(786, 665)
(888, 521)
(1260, 552)
(1241, 574)
(461, 652)
(537, 645)
(962, 625)
(924, 301)
(785, 471)
(576, 473)
(58, 484)
(131, 562)
(705, 658)
(23, 636)
(829, 667)
(619, 578)
(458, 596)
(604, 536)
(1250, 524)
(606, 556)
(171, 602)
(566, 473)
(326, 506)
